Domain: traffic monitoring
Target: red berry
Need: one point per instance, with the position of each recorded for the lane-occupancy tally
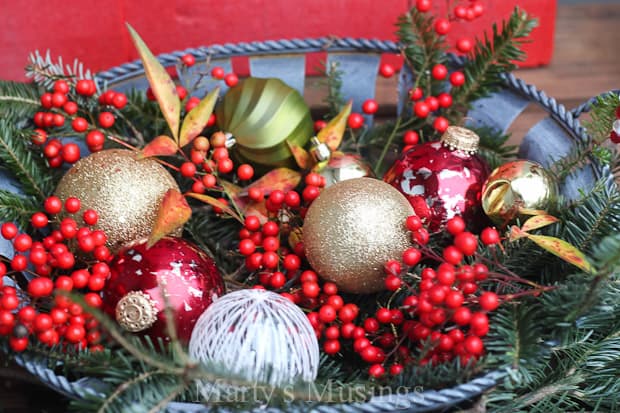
(310, 193)
(231, 79)
(489, 236)
(291, 262)
(18, 344)
(478, 9)
(72, 205)
(370, 106)
(455, 225)
(106, 119)
(414, 223)
(245, 172)
(446, 274)
(46, 100)
(442, 26)
(457, 79)
(331, 347)
(52, 205)
(411, 138)
(454, 299)
(462, 316)
(441, 124)
(355, 120)
(188, 60)
(310, 289)
(452, 255)
(327, 313)
(22, 242)
(74, 333)
(460, 11)
(488, 301)
(70, 153)
(119, 101)
(473, 345)
(444, 99)
(348, 313)
(79, 124)
(292, 199)
(40, 287)
(319, 124)
(225, 166)
(416, 94)
(277, 280)
(423, 5)
(61, 86)
(58, 99)
(188, 169)
(386, 70)
(439, 72)
(421, 109)
(393, 282)
(9, 230)
(466, 242)
(614, 137)
(464, 45)
(181, 92)
(218, 72)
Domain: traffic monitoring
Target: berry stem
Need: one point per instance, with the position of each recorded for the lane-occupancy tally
(387, 145)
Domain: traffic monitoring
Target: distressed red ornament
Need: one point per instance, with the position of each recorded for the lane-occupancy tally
(139, 277)
(442, 179)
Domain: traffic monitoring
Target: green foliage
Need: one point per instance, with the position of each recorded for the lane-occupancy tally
(492, 57)
(18, 100)
(17, 208)
(422, 47)
(602, 115)
(333, 84)
(17, 156)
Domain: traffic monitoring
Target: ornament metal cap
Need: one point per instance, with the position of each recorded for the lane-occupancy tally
(136, 311)
(458, 138)
(319, 150)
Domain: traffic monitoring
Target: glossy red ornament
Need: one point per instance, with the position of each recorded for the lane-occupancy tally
(191, 279)
(441, 181)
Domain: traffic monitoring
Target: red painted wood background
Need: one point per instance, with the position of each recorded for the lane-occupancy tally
(94, 30)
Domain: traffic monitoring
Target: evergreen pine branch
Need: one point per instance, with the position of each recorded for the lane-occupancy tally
(18, 100)
(602, 116)
(17, 208)
(44, 71)
(19, 159)
(606, 254)
(422, 47)
(597, 215)
(491, 58)
(334, 99)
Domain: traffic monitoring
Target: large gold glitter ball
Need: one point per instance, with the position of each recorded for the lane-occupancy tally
(125, 192)
(517, 188)
(352, 229)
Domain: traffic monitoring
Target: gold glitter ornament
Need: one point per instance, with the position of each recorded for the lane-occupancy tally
(515, 187)
(352, 229)
(124, 191)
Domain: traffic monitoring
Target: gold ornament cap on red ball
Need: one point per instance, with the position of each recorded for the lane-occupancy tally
(352, 229)
(136, 311)
(462, 139)
(125, 191)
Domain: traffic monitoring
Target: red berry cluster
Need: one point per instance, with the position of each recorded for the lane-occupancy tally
(61, 104)
(614, 135)
(208, 160)
(277, 262)
(39, 312)
(443, 313)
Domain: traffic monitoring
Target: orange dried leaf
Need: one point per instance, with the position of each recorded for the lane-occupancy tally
(538, 221)
(332, 133)
(564, 250)
(198, 117)
(160, 146)
(161, 83)
(516, 233)
(302, 157)
(214, 202)
(173, 213)
(282, 179)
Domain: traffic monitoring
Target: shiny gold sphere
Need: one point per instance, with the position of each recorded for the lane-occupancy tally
(125, 192)
(352, 229)
(516, 187)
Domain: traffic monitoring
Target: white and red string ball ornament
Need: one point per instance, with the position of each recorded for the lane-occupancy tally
(258, 335)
